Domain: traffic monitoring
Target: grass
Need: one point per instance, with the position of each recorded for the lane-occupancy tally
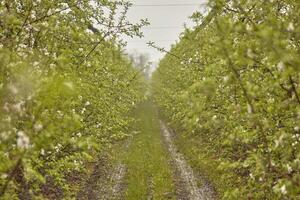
(148, 170)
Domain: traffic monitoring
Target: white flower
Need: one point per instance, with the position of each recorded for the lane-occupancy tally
(214, 117)
(279, 141)
(280, 66)
(13, 89)
(289, 168)
(251, 176)
(297, 128)
(36, 63)
(250, 53)
(57, 147)
(248, 27)
(80, 49)
(22, 140)
(4, 176)
(33, 14)
(272, 163)
(23, 46)
(46, 24)
(249, 108)
(38, 127)
(42, 152)
(18, 107)
(6, 107)
(225, 78)
(49, 12)
(83, 110)
(1, 46)
(4, 135)
(87, 103)
(52, 66)
(283, 189)
(291, 27)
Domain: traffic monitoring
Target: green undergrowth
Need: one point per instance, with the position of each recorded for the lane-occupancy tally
(148, 171)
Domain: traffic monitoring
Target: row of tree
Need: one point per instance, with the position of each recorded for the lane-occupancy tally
(65, 90)
(234, 82)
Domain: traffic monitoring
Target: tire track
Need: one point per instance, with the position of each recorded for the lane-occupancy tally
(188, 180)
(105, 183)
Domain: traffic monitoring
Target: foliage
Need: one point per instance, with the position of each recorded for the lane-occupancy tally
(233, 83)
(65, 89)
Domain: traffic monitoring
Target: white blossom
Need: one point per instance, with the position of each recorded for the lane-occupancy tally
(283, 189)
(280, 66)
(22, 140)
(289, 168)
(225, 78)
(279, 141)
(6, 107)
(248, 27)
(4, 176)
(38, 127)
(13, 89)
(18, 107)
(35, 64)
(42, 152)
(57, 147)
(87, 103)
(50, 11)
(4, 135)
(249, 108)
(33, 14)
(251, 176)
(250, 53)
(291, 27)
(52, 66)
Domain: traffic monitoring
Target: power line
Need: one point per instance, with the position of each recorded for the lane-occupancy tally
(167, 5)
(163, 27)
(146, 41)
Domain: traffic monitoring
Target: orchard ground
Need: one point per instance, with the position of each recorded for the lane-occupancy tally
(147, 166)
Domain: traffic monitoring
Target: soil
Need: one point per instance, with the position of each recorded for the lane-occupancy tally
(186, 180)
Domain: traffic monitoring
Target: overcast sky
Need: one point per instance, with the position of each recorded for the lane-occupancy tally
(166, 23)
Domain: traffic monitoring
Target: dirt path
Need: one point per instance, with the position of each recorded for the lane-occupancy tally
(106, 182)
(149, 167)
(187, 179)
